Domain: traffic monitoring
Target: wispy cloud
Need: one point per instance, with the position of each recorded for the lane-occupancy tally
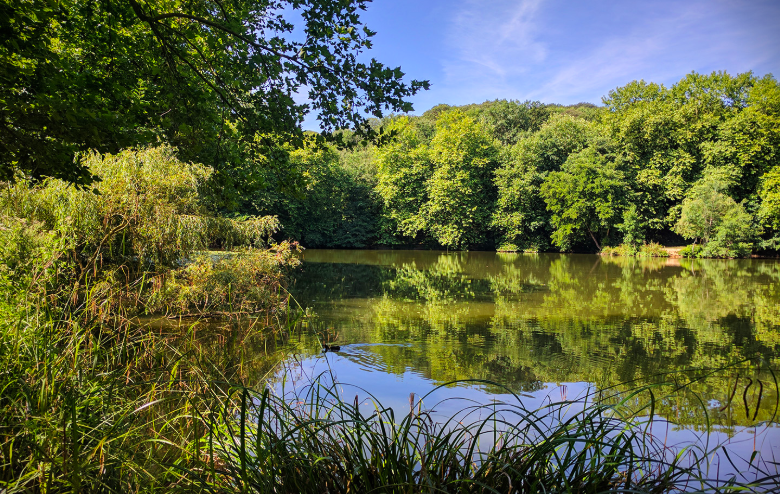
(660, 48)
(567, 52)
(483, 37)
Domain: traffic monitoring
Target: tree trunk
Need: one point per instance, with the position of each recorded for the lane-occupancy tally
(594, 239)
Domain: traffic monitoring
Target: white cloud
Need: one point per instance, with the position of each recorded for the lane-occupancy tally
(568, 52)
(484, 37)
(661, 48)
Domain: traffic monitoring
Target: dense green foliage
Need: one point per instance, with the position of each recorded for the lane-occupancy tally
(93, 400)
(449, 181)
(217, 79)
(695, 161)
(147, 212)
(331, 204)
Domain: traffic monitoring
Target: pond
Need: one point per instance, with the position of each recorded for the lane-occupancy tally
(546, 327)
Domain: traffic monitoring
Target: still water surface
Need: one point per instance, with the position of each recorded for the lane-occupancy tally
(552, 327)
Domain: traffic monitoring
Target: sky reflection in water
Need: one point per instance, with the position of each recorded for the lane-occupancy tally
(550, 327)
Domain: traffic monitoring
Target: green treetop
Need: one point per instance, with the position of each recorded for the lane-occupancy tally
(214, 78)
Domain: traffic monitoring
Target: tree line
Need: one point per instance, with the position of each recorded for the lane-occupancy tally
(696, 162)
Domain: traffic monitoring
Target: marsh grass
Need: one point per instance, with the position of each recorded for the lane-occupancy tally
(317, 440)
(92, 399)
(96, 405)
(651, 249)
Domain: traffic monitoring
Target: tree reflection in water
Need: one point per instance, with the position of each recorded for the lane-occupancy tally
(525, 320)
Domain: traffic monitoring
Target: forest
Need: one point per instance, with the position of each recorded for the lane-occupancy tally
(696, 163)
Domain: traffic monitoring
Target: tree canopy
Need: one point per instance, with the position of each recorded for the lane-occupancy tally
(218, 79)
(696, 161)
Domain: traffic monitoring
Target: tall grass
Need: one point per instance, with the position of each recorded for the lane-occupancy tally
(93, 399)
(651, 249)
(319, 441)
(108, 404)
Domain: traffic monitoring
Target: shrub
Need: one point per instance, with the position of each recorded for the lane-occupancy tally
(244, 282)
(146, 211)
(652, 249)
(724, 227)
(508, 247)
(645, 250)
(733, 237)
(691, 251)
(621, 250)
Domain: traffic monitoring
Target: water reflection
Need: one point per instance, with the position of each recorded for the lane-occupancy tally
(529, 320)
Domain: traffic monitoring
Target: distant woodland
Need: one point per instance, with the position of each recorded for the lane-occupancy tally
(696, 163)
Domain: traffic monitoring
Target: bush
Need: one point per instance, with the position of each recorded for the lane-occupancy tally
(508, 247)
(725, 228)
(146, 211)
(621, 250)
(652, 249)
(645, 250)
(92, 400)
(691, 251)
(128, 239)
(244, 282)
(733, 237)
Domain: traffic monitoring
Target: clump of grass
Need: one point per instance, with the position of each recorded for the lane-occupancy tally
(620, 250)
(105, 404)
(321, 442)
(246, 282)
(651, 249)
(510, 247)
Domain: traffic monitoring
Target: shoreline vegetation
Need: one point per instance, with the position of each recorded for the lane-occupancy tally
(137, 137)
(693, 164)
(95, 400)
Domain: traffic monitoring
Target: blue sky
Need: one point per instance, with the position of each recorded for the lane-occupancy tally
(564, 51)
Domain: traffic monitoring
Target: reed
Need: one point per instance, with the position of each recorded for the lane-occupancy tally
(318, 441)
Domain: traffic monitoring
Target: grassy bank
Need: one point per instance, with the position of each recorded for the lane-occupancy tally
(651, 249)
(99, 395)
(93, 399)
